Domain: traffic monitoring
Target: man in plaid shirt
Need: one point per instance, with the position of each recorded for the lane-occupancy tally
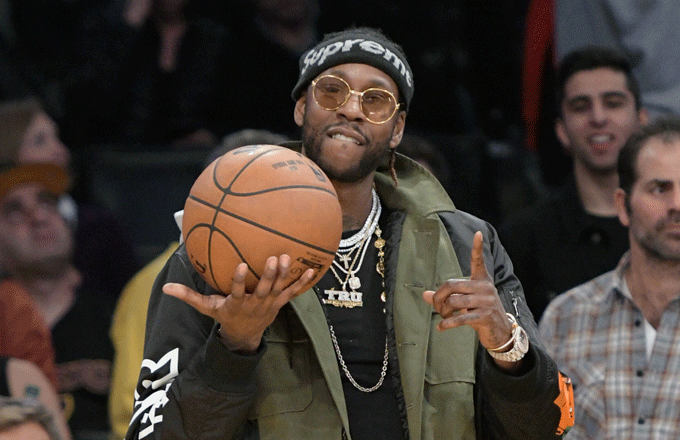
(618, 336)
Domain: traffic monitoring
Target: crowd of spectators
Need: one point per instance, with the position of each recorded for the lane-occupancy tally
(145, 75)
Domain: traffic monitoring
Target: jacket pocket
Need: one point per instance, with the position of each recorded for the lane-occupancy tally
(450, 354)
(448, 409)
(284, 373)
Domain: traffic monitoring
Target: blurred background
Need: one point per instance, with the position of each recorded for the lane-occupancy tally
(142, 90)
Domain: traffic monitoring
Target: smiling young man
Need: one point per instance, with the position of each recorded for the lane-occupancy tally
(575, 235)
(618, 336)
(408, 334)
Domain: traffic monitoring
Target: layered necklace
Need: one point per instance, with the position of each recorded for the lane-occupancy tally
(345, 267)
(350, 257)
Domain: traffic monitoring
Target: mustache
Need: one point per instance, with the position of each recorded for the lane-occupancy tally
(351, 126)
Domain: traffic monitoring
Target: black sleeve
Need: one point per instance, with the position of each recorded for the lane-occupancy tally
(508, 407)
(190, 386)
(519, 239)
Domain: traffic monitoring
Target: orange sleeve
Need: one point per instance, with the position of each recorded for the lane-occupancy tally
(23, 331)
(565, 401)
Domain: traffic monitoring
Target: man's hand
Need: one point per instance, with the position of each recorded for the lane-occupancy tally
(244, 316)
(473, 302)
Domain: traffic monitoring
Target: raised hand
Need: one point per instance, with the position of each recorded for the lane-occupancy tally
(244, 316)
(473, 302)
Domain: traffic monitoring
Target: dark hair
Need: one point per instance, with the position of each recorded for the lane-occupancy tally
(590, 58)
(15, 118)
(666, 128)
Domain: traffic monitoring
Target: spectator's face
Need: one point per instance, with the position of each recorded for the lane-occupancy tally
(33, 235)
(25, 431)
(41, 143)
(598, 116)
(345, 145)
(653, 217)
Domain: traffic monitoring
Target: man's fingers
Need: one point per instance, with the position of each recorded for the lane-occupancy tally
(453, 304)
(477, 268)
(428, 296)
(202, 303)
(238, 286)
(296, 288)
(281, 280)
(269, 276)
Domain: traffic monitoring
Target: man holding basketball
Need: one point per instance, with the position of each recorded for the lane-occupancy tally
(419, 329)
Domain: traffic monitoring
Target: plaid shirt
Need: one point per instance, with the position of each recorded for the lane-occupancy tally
(596, 334)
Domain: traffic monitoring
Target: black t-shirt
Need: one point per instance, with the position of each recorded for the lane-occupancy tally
(83, 356)
(556, 245)
(361, 333)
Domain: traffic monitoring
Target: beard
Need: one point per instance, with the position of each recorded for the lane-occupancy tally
(375, 154)
(654, 242)
(603, 168)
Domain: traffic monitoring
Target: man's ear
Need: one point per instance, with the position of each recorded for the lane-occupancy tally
(561, 133)
(398, 130)
(621, 208)
(643, 116)
(300, 107)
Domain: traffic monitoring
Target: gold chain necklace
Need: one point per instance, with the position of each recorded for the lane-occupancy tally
(380, 268)
(351, 271)
(353, 298)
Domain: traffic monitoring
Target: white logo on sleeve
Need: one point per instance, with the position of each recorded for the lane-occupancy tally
(157, 399)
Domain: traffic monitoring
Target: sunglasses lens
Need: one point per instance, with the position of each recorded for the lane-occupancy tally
(378, 105)
(330, 92)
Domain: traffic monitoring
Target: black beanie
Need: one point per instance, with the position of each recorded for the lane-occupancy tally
(357, 45)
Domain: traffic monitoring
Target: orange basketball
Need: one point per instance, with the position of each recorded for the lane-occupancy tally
(260, 201)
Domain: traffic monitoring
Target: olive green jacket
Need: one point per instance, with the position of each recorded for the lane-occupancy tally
(192, 387)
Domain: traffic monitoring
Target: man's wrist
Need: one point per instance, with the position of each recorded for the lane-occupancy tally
(515, 349)
(244, 348)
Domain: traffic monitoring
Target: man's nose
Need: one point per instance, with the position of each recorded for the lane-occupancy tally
(598, 114)
(352, 107)
(37, 213)
(675, 199)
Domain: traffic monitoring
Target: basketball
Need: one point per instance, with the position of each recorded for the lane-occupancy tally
(259, 201)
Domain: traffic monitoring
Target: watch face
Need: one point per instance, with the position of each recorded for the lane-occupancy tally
(522, 341)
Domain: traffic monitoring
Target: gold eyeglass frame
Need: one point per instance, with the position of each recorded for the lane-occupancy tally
(354, 92)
